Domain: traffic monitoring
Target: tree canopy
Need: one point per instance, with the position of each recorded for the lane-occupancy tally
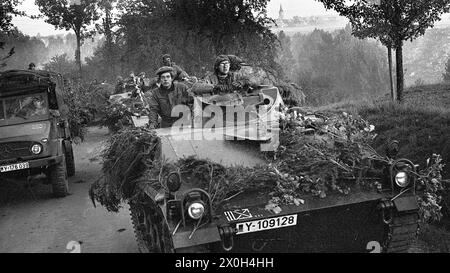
(392, 21)
(8, 8)
(194, 32)
(71, 16)
(335, 66)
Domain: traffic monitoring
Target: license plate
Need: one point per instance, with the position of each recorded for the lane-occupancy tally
(14, 167)
(265, 224)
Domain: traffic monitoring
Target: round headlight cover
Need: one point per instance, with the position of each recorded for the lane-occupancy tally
(401, 179)
(173, 182)
(36, 149)
(196, 210)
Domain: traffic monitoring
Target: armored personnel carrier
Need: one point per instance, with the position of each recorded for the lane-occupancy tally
(182, 218)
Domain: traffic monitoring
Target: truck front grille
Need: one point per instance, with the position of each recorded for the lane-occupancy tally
(17, 149)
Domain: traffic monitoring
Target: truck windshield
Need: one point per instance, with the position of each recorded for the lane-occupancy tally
(24, 107)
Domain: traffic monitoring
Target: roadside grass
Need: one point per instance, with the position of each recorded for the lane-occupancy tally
(421, 127)
(436, 237)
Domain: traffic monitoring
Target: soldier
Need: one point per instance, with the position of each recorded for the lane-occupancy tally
(161, 100)
(131, 79)
(144, 82)
(224, 80)
(119, 85)
(179, 73)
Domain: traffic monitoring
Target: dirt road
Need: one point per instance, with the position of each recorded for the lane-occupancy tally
(31, 220)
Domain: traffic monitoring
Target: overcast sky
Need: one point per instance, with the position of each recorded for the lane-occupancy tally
(291, 8)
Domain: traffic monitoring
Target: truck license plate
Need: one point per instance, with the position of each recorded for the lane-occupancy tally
(265, 224)
(14, 167)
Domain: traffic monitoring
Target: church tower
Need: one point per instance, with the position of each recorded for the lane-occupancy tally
(280, 20)
(281, 13)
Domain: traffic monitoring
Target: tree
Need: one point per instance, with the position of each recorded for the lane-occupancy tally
(238, 26)
(337, 66)
(26, 49)
(285, 57)
(61, 64)
(8, 8)
(194, 32)
(446, 75)
(76, 16)
(106, 28)
(392, 21)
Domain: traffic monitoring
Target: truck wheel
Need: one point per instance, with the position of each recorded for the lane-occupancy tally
(70, 160)
(59, 179)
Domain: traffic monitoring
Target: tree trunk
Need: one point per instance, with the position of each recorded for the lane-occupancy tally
(391, 81)
(399, 64)
(78, 54)
(109, 45)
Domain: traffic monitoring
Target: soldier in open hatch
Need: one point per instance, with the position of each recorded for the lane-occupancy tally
(162, 99)
(178, 72)
(223, 79)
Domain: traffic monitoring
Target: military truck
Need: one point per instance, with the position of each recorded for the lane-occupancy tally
(34, 130)
(182, 219)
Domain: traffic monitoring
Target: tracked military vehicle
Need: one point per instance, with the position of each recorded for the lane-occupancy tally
(182, 218)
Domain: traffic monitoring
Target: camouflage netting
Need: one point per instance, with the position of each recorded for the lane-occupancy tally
(291, 93)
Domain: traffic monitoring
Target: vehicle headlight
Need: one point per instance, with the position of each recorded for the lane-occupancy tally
(36, 149)
(173, 182)
(196, 210)
(401, 179)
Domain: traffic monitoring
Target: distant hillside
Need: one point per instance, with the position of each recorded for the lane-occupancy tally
(40, 49)
(424, 58)
(60, 44)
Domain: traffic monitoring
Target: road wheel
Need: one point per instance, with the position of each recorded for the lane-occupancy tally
(59, 179)
(70, 160)
(151, 232)
(403, 231)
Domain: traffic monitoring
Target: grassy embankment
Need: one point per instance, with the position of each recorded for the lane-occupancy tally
(422, 126)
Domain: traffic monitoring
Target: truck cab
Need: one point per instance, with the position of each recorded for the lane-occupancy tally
(34, 130)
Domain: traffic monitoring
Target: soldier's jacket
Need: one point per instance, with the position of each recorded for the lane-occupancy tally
(161, 102)
(211, 80)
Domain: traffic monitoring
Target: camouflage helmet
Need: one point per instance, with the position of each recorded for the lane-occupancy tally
(164, 69)
(220, 59)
